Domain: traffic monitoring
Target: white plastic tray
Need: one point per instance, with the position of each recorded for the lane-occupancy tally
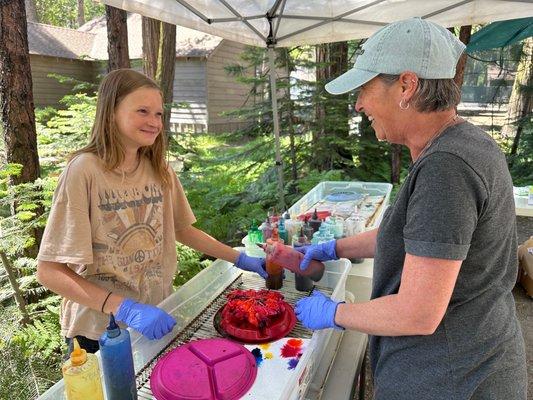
(192, 298)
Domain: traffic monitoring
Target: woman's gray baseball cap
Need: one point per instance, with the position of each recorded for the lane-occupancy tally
(414, 44)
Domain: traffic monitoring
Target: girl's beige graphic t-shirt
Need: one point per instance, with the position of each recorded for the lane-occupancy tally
(116, 230)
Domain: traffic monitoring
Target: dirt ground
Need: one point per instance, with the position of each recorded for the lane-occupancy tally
(491, 120)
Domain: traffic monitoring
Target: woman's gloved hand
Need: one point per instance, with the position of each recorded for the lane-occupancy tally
(321, 252)
(317, 311)
(254, 264)
(151, 321)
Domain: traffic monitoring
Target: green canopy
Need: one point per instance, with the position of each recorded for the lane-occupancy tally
(501, 34)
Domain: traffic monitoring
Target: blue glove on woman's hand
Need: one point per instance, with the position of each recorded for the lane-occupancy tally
(151, 321)
(321, 252)
(254, 264)
(317, 311)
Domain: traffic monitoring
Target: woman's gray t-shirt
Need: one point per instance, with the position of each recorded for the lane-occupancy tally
(457, 203)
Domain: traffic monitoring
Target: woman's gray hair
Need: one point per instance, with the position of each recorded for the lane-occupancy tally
(431, 94)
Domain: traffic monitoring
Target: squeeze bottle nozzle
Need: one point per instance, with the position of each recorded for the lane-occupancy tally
(78, 355)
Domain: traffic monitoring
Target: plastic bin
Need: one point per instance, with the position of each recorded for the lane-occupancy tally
(192, 298)
(323, 189)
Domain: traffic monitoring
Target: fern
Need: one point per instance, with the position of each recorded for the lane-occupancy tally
(42, 338)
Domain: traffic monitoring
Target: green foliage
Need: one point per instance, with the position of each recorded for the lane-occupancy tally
(521, 164)
(26, 374)
(42, 338)
(60, 132)
(218, 178)
(65, 12)
(189, 264)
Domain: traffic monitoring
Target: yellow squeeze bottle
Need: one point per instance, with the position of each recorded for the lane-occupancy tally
(82, 375)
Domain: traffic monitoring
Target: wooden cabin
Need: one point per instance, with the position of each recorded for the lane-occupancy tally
(200, 79)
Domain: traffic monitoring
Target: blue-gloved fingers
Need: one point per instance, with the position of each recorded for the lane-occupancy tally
(302, 249)
(308, 257)
(123, 309)
(160, 331)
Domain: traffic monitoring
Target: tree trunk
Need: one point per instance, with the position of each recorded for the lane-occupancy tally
(16, 99)
(81, 13)
(151, 33)
(117, 38)
(16, 96)
(521, 101)
(290, 115)
(332, 113)
(464, 36)
(31, 11)
(19, 298)
(166, 66)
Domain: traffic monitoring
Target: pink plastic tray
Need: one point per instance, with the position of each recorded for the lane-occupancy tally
(205, 369)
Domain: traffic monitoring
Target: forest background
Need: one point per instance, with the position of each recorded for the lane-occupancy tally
(230, 179)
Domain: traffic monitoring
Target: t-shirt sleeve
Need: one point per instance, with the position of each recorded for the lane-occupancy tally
(182, 212)
(446, 200)
(67, 236)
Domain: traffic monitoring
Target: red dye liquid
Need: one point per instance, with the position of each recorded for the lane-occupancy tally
(293, 348)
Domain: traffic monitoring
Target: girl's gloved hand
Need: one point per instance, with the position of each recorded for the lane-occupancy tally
(317, 311)
(321, 252)
(151, 321)
(254, 264)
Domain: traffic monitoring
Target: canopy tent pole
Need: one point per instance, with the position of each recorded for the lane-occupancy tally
(275, 119)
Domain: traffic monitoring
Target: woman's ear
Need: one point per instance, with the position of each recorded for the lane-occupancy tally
(409, 83)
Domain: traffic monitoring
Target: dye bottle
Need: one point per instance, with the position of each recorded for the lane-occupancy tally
(323, 235)
(282, 232)
(82, 375)
(274, 270)
(308, 230)
(266, 229)
(315, 222)
(289, 258)
(117, 363)
(254, 234)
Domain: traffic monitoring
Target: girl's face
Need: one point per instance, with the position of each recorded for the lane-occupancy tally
(139, 118)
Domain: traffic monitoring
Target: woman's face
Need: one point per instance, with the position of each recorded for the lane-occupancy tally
(139, 118)
(378, 101)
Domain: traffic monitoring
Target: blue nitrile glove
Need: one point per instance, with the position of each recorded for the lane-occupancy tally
(254, 264)
(151, 321)
(317, 311)
(321, 252)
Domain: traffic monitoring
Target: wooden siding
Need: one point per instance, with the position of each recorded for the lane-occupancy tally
(224, 93)
(48, 91)
(190, 87)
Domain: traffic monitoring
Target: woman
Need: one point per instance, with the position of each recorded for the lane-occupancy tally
(442, 316)
(110, 241)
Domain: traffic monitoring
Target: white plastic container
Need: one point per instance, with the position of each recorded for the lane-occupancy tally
(193, 297)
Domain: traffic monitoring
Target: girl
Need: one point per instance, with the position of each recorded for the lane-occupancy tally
(109, 244)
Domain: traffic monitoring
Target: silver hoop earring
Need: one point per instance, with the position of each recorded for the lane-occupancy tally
(403, 106)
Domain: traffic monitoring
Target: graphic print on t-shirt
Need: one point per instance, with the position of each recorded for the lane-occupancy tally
(128, 240)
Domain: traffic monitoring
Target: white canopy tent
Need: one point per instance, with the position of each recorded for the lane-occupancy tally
(285, 23)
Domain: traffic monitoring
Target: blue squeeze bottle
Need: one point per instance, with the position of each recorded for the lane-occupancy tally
(117, 363)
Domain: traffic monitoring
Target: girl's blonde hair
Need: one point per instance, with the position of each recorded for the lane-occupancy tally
(105, 137)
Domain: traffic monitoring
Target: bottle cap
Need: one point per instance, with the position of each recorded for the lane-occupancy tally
(113, 330)
(78, 355)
